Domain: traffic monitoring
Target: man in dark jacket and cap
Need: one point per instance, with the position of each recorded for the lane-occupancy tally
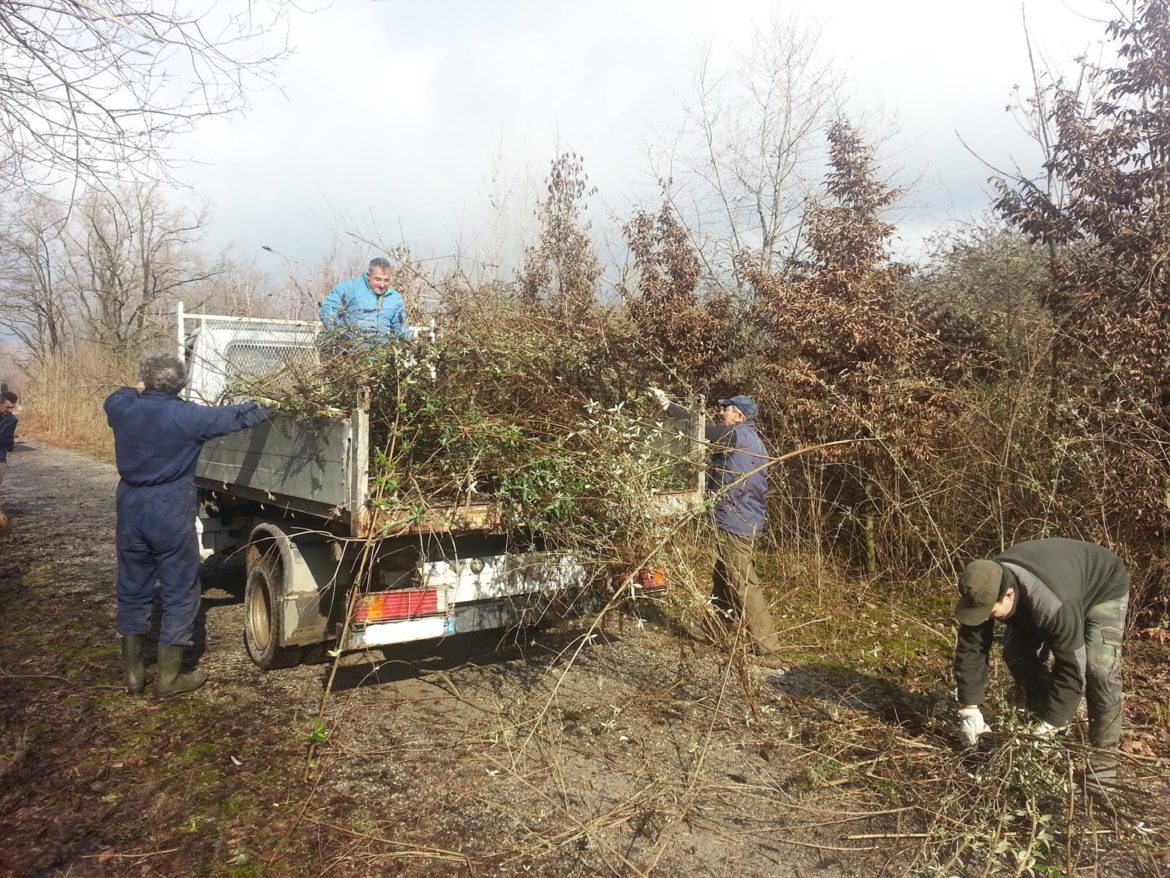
(8, 422)
(157, 439)
(737, 480)
(1056, 597)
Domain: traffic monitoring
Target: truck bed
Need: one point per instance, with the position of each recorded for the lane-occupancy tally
(320, 468)
(301, 466)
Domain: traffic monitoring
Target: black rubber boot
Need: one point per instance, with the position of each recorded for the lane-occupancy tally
(133, 665)
(170, 681)
(1100, 773)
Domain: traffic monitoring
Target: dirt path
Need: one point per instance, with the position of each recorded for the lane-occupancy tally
(639, 754)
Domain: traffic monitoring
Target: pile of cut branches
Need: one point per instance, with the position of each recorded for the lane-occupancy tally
(1019, 805)
(550, 425)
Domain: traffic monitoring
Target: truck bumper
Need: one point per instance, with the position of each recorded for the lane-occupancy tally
(483, 616)
(404, 631)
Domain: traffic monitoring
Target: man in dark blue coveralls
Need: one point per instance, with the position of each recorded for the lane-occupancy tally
(157, 438)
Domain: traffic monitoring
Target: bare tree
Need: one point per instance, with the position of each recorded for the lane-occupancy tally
(34, 299)
(88, 86)
(133, 255)
(744, 162)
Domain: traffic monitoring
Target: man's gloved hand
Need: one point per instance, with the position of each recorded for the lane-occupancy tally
(660, 397)
(972, 725)
(1046, 730)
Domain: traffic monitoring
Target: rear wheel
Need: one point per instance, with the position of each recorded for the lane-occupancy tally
(262, 617)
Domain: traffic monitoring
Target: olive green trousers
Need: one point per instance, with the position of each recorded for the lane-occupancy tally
(736, 589)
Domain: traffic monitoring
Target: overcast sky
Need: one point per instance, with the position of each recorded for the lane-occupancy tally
(401, 120)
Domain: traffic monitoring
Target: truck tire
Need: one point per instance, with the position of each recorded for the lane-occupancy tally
(262, 620)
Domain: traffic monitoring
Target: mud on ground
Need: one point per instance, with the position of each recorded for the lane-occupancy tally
(627, 751)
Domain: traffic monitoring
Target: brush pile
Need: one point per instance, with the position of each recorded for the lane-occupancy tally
(552, 426)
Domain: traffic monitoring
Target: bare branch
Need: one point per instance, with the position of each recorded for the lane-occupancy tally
(88, 86)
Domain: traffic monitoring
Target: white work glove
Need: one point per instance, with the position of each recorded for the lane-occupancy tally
(1046, 730)
(660, 397)
(971, 725)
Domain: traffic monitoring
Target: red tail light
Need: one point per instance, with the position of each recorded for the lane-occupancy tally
(402, 604)
(651, 578)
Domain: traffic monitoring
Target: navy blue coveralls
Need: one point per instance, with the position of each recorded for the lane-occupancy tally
(157, 438)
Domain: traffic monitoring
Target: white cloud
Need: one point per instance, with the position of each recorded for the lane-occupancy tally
(393, 114)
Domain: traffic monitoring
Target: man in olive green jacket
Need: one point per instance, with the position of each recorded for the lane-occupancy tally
(1058, 597)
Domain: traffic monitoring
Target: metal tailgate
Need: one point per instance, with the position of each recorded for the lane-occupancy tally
(298, 465)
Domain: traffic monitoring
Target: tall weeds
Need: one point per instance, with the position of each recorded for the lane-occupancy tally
(61, 398)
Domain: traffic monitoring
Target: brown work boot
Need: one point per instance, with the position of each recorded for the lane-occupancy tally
(1099, 775)
(702, 627)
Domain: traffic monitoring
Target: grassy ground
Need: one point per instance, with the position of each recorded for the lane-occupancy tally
(876, 657)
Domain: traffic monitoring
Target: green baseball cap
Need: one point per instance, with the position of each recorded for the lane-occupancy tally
(981, 587)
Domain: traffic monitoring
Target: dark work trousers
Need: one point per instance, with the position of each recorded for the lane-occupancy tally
(737, 588)
(157, 541)
(1025, 656)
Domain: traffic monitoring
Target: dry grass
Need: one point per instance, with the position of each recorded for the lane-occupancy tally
(633, 753)
(62, 400)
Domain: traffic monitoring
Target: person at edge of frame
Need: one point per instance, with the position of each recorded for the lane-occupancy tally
(1059, 598)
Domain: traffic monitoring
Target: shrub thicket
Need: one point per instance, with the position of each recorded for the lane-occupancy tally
(1015, 388)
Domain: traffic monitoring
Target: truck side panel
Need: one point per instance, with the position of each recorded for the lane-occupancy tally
(300, 466)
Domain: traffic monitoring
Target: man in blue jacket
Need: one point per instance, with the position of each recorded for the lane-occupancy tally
(157, 439)
(737, 480)
(8, 420)
(366, 306)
